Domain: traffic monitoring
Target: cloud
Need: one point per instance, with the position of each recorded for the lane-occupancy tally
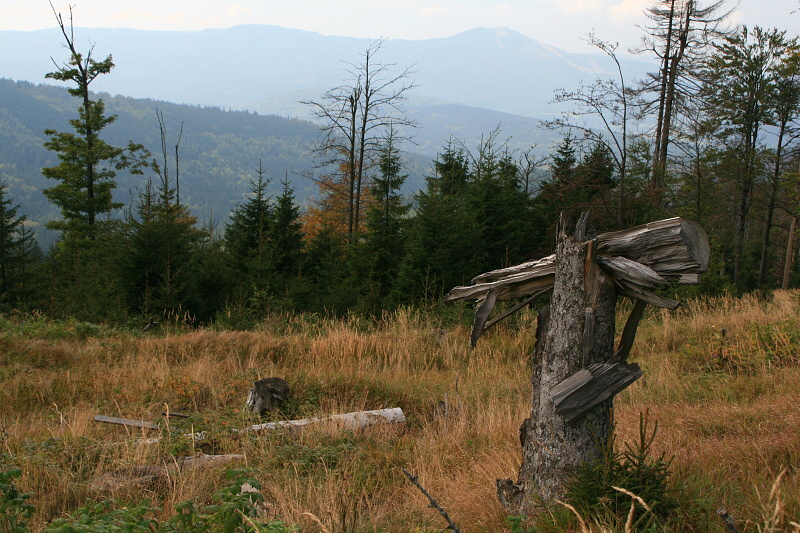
(234, 10)
(431, 11)
(177, 17)
(628, 9)
(573, 7)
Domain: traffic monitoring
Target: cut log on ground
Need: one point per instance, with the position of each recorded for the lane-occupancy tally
(125, 422)
(152, 478)
(351, 421)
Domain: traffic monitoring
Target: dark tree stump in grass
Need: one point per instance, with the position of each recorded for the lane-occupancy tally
(267, 395)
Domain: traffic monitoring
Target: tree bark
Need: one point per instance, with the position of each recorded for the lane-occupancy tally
(787, 267)
(552, 448)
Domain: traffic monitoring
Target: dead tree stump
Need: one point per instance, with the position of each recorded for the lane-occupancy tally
(267, 394)
(575, 332)
(576, 371)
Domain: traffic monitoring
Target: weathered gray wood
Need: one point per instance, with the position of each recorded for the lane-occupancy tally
(629, 332)
(357, 420)
(512, 286)
(482, 312)
(671, 247)
(622, 268)
(523, 303)
(553, 448)
(674, 247)
(545, 263)
(591, 386)
(125, 422)
(630, 290)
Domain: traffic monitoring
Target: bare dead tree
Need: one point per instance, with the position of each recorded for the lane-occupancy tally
(354, 117)
(679, 36)
(604, 102)
(528, 164)
(163, 172)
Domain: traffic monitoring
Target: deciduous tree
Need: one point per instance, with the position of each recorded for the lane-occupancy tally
(354, 116)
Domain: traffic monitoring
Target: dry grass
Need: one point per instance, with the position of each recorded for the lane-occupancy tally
(727, 409)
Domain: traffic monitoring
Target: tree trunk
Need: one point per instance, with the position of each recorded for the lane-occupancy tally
(580, 333)
(773, 195)
(787, 267)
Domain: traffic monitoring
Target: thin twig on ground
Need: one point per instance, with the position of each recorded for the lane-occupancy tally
(413, 479)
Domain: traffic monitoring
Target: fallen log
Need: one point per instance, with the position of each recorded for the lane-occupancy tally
(125, 422)
(352, 421)
(349, 421)
(153, 478)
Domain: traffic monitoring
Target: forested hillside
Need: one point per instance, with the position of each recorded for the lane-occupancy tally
(220, 149)
(239, 221)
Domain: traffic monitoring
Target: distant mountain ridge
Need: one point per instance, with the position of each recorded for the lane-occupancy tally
(468, 85)
(491, 68)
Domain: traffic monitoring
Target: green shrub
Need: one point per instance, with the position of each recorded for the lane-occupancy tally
(592, 490)
(14, 509)
(234, 509)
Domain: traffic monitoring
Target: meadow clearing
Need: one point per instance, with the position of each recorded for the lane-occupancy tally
(722, 381)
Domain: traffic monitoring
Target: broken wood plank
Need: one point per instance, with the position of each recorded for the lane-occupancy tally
(125, 422)
(590, 386)
(356, 420)
(630, 290)
(528, 301)
(629, 332)
(482, 312)
(528, 266)
(518, 284)
(671, 247)
(622, 268)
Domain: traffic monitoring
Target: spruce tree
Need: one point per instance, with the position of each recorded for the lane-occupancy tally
(441, 251)
(385, 239)
(87, 164)
(18, 252)
(247, 234)
(285, 252)
(162, 238)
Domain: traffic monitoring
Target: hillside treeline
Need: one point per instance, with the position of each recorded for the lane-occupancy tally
(218, 150)
(709, 136)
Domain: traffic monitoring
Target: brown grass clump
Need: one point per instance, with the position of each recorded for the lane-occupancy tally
(726, 406)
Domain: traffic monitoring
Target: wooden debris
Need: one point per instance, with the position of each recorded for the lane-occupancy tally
(637, 260)
(125, 422)
(629, 332)
(482, 311)
(170, 414)
(202, 460)
(352, 421)
(141, 477)
(434, 504)
(590, 386)
(671, 247)
(156, 477)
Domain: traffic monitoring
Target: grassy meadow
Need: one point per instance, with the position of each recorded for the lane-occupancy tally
(722, 380)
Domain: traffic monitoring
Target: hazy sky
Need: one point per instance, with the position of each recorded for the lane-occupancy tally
(561, 23)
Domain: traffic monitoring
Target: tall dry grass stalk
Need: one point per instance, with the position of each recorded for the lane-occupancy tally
(726, 406)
